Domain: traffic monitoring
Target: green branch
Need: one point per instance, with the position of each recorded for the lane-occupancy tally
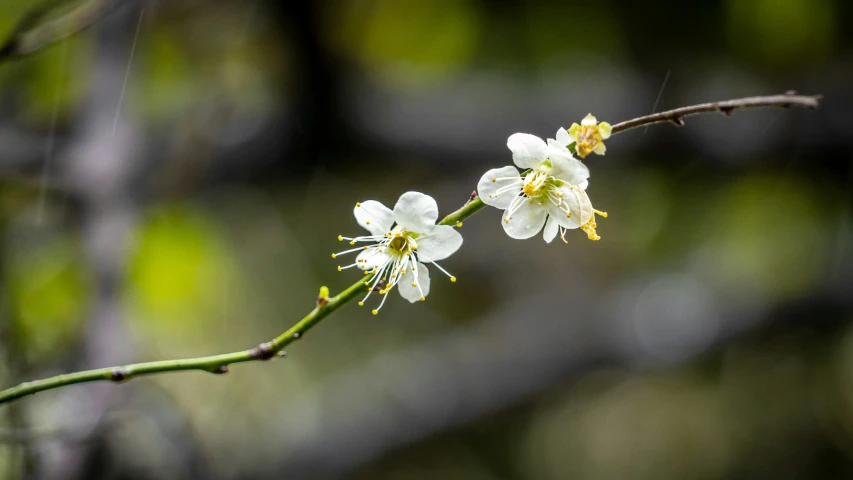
(218, 364)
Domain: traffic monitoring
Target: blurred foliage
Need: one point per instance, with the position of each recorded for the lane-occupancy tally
(176, 268)
(50, 289)
(429, 39)
(788, 33)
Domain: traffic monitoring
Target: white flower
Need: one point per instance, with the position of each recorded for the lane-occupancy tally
(401, 242)
(551, 193)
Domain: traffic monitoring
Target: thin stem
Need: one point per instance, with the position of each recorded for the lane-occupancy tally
(218, 364)
(726, 107)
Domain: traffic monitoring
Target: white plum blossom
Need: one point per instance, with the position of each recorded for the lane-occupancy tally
(550, 193)
(401, 242)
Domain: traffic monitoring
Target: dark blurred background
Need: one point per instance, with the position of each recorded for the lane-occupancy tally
(179, 193)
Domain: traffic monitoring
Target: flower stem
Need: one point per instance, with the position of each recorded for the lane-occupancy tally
(218, 364)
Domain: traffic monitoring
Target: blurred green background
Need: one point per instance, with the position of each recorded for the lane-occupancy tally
(178, 193)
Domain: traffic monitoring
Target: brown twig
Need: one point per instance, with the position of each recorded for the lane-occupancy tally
(726, 107)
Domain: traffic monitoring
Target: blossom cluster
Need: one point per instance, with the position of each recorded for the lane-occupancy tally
(548, 192)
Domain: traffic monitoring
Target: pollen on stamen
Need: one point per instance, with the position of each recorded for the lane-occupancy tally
(458, 224)
(375, 312)
(600, 213)
(340, 238)
(339, 268)
(506, 220)
(423, 299)
(453, 279)
(569, 215)
(352, 242)
(367, 222)
(357, 204)
(334, 256)
(414, 284)
(493, 181)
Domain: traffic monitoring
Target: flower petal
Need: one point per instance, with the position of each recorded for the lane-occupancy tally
(563, 137)
(589, 121)
(374, 217)
(554, 147)
(407, 291)
(526, 221)
(495, 179)
(579, 206)
(416, 211)
(528, 151)
(550, 231)
(570, 170)
(600, 149)
(574, 130)
(440, 243)
(605, 129)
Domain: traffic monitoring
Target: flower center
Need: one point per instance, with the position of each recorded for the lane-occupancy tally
(399, 243)
(588, 138)
(534, 182)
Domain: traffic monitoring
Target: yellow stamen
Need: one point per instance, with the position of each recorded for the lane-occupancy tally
(453, 279)
(423, 299)
(334, 256)
(360, 304)
(589, 228)
(340, 238)
(357, 204)
(458, 224)
(375, 312)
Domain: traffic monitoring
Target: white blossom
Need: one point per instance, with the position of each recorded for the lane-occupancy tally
(401, 242)
(551, 192)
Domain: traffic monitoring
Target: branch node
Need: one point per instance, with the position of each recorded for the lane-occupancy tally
(220, 370)
(677, 121)
(282, 353)
(118, 375)
(297, 335)
(263, 351)
(473, 196)
(727, 111)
